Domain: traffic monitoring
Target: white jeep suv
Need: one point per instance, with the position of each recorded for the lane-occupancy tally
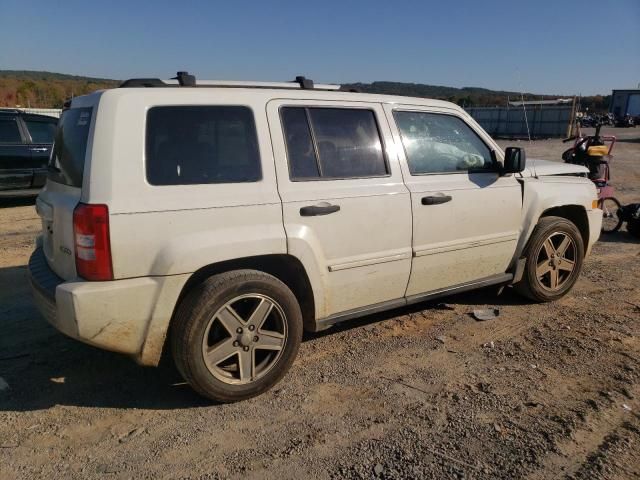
(226, 217)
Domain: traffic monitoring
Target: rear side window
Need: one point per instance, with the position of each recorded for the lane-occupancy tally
(332, 143)
(187, 145)
(9, 132)
(70, 146)
(41, 131)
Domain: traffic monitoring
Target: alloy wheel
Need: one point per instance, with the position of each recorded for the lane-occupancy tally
(556, 261)
(244, 339)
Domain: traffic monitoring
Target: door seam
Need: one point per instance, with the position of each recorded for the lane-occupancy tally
(404, 182)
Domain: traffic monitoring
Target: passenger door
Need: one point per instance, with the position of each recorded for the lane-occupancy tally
(346, 210)
(466, 216)
(41, 131)
(15, 158)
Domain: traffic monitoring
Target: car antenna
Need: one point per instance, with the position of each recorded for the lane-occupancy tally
(524, 110)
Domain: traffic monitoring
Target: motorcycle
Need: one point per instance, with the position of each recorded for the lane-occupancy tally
(594, 152)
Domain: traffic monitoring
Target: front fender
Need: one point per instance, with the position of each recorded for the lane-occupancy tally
(542, 194)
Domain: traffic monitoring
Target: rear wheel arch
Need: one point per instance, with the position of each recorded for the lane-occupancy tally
(236, 334)
(286, 268)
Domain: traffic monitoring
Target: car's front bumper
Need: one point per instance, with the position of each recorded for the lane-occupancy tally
(595, 226)
(115, 315)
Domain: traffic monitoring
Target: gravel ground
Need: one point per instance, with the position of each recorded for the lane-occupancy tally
(541, 392)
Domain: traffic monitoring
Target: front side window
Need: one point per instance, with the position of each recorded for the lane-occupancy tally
(187, 145)
(332, 143)
(439, 143)
(9, 132)
(41, 131)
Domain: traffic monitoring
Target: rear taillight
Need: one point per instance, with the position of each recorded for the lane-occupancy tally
(91, 235)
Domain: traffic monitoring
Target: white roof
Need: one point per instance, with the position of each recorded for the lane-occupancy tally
(226, 90)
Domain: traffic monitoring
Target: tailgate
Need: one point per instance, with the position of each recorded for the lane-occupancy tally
(63, 189)
(55, 205)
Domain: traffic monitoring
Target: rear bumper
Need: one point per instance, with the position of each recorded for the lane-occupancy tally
(115, 315)
(43, 287)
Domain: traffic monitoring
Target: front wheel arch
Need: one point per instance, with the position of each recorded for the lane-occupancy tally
(576, 214)
(532, 284)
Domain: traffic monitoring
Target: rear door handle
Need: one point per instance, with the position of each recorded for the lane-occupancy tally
(320, 209)
(38, 149)
(436, 199)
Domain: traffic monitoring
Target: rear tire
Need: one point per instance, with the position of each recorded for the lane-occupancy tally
(236, 335)
(554, 254)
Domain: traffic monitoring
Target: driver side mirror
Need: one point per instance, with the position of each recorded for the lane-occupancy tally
(514, 160)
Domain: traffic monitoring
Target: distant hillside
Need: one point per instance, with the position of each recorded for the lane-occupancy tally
(50, 90)
(45, 89)
(468, 96)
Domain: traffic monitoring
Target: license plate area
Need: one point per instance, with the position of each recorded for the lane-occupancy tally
(45, 211)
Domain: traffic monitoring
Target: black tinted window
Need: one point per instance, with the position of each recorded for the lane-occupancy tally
(332, 143)
(437, 143)
(41, 131)
(197, 145)
(300, 150)
(9, 132)
(70, 146)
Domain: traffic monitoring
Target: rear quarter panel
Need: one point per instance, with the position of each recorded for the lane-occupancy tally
(175, 229)
(183, 241)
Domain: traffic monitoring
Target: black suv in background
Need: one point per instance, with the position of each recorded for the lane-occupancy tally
(25, 145)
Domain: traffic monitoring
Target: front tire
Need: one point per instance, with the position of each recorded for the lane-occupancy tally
(555, 253)
(236, 335)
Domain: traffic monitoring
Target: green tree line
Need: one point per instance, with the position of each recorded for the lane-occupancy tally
(44, 89)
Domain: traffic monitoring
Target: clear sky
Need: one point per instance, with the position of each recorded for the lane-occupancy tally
(540, 46)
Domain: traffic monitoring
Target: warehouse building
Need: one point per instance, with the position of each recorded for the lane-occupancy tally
(625, 102)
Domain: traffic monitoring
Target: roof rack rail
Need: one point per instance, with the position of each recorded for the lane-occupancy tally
(185, 79)
(305, 83)
(142, 82)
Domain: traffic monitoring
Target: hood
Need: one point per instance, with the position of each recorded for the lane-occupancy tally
(543, 168)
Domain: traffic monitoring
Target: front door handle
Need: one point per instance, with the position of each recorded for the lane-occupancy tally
(323, 208)
(38, 149)
(436, 199)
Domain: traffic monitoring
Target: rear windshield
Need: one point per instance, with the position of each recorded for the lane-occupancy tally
(70, 147)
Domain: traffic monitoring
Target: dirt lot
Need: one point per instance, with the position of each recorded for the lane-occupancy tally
(542, 392)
